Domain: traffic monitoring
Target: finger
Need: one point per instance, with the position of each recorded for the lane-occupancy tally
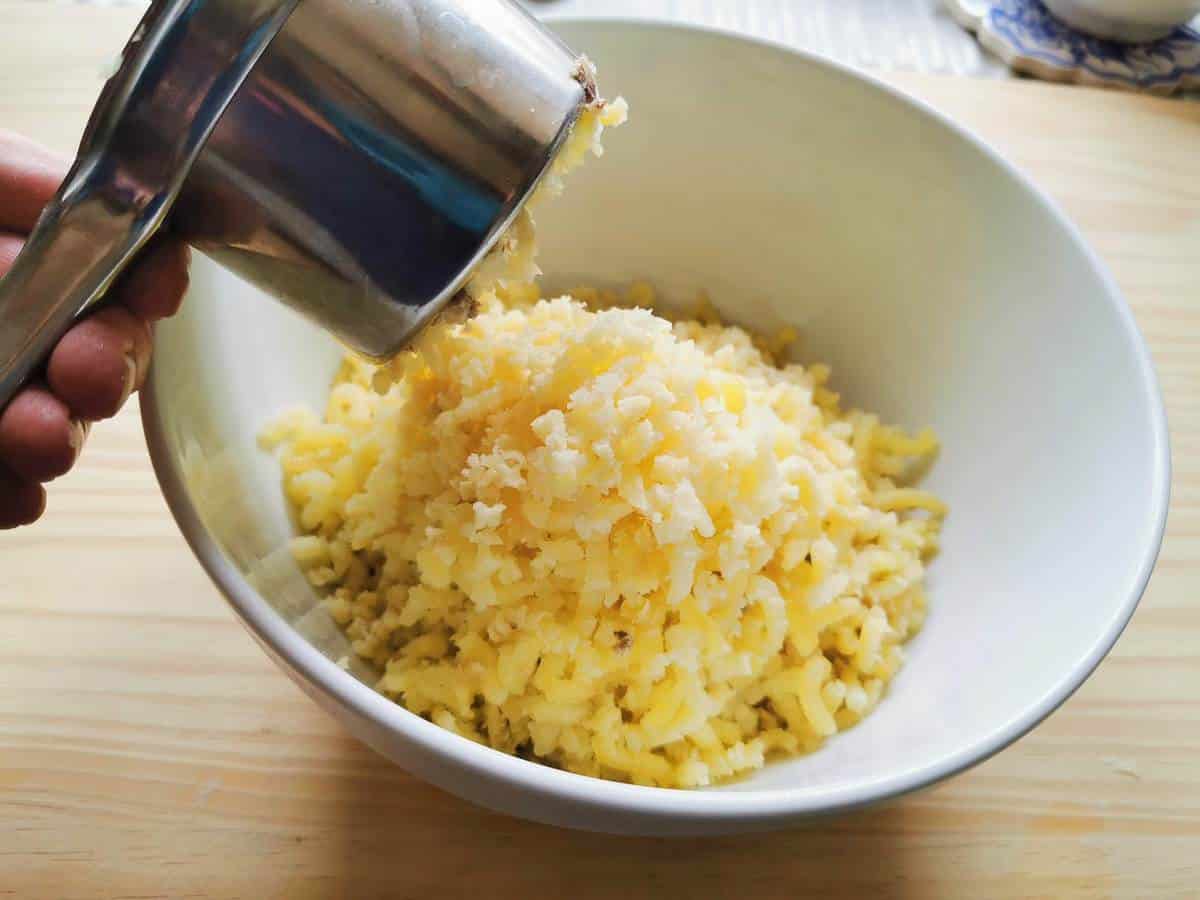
(22, 501)
(29, 176)
(154, 286)
(38, 440)
(100, 362)
(10, 246)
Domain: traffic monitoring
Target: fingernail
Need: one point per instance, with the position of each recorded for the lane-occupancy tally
(131, 371)
(78, 435)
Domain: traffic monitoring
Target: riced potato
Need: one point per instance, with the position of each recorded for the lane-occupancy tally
(513, 260)
(631, 548)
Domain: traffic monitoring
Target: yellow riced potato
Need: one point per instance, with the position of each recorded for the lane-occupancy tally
(634, 548)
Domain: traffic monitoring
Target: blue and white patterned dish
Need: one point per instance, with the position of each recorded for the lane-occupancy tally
(1026, 36)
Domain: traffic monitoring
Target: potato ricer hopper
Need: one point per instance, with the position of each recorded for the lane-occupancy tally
(354, 158)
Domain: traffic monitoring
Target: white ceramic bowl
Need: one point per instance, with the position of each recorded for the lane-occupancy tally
(941, 285)
(1132, 21)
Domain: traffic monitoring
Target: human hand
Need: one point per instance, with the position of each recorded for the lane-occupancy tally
(97, 364)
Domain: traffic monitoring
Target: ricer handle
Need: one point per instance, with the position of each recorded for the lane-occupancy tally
(65, 267)
(136, 152)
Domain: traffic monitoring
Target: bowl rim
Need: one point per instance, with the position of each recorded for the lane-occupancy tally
(699, 807)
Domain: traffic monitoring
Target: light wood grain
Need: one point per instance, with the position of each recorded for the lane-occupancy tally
(148, 748)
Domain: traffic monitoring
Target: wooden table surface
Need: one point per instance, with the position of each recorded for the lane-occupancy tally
(148, 748)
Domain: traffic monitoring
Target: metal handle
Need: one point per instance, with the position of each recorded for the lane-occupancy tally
(147, 129)
(64, 267)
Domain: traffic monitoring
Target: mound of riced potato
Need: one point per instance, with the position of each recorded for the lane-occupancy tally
(632, 548)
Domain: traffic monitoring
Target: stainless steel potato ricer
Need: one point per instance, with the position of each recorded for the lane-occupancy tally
(354, 158)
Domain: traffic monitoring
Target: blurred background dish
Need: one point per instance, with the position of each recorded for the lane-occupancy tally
(1130, 21)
